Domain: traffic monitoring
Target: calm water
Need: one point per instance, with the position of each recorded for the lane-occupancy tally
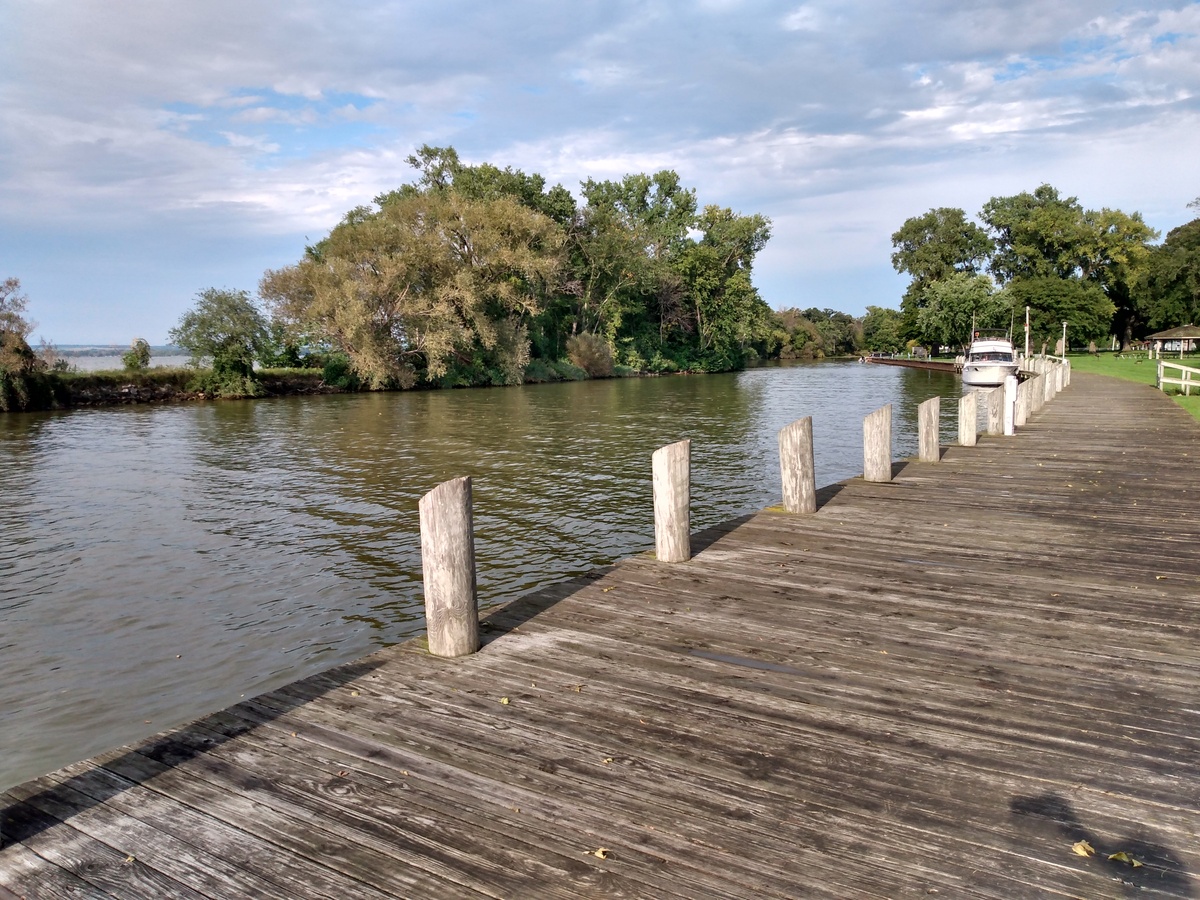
(157, 563)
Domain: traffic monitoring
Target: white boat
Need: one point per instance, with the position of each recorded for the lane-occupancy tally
(990, 359)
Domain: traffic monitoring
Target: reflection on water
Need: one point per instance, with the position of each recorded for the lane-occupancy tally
(161, 562)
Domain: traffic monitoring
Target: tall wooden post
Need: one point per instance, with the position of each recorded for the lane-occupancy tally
(995, 411)
(797, 467)
(672, 501)
(448, 566)
(1048, 386)
(1009, 394)
(877, 445)
(968, 418)
(928, 415)
(1037, 393)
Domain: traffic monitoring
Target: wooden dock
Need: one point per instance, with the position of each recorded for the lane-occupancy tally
(953, 684)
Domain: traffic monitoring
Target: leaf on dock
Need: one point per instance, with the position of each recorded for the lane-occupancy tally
(504, 701)
(1122, 856)
(1083, 848)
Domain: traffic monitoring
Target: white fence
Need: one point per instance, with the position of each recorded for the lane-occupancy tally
(1188, 376)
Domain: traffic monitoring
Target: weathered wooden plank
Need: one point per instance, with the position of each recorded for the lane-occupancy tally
(37, 879)
(671, 477)
(877, 445)
(448, 569)
(797, 467)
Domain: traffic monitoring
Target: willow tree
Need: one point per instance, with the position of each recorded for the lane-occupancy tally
(425, 281)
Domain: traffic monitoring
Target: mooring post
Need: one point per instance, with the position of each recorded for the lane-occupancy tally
(672, 501)
(877, 445)
(1048, 386)
(1010, 393)
(1023, 401)
(1067, 373)
(797, 468)
(995, 411)
(448, 567)
(1037, 394)
(968, 418)
(928, 415)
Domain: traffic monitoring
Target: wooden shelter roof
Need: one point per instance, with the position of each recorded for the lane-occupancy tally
(1174, 334)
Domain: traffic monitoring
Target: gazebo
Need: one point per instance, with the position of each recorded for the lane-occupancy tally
(1187, 335)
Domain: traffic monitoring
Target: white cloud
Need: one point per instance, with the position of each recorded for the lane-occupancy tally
(268, 121)
(804, 18)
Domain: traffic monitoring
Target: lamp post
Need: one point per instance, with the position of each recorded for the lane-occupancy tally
(1064, 352)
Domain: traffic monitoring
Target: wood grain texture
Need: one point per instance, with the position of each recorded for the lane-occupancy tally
(448, 568)
(797, 467)
(968, 419)
(671, 469)
(928, 422)
(877, 445)
(995, 410)
(930, 687)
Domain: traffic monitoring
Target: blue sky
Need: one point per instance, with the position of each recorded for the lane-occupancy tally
(150, 150)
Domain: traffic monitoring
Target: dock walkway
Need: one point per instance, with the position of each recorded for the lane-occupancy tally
(953, 684)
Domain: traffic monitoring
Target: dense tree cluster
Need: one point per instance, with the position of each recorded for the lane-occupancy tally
(1094, 269)
(472, 272)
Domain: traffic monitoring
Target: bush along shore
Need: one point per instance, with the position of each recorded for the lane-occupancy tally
(49, 390)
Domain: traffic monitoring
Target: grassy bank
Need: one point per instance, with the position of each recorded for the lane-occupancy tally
(1136, 367)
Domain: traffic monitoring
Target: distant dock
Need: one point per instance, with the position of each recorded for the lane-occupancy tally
(931, 364)
(977, 679)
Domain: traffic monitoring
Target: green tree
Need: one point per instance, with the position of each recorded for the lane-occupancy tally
(428, 284)
(137, 357)
(1083, 305)
(1169, 293)
(883, 330)
(16, 356)
(932, 247)
(226, 327)
(956, 304)
(1115, 255)
(728, 313)
(1036, 235)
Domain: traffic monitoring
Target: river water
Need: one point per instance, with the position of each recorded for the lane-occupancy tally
(161, 562)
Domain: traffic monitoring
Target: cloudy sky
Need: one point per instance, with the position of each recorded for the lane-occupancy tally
(149, 150)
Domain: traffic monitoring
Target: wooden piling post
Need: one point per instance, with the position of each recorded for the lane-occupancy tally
(995, 411)
(1021, 414)
(928, 416)
(1047, 386)
(797, 467)
(968, 418)
(1010, 394)
(877, 445)
(448, 567)
(1037, 393)
(672, 501)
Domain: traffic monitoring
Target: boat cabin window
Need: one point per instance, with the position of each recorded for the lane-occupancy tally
(991, 356)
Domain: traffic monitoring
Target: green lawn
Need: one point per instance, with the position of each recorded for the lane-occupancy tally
(1136, 367)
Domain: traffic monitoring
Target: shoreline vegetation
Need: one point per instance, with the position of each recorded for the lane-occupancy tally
(76, 390)
(472, 275)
